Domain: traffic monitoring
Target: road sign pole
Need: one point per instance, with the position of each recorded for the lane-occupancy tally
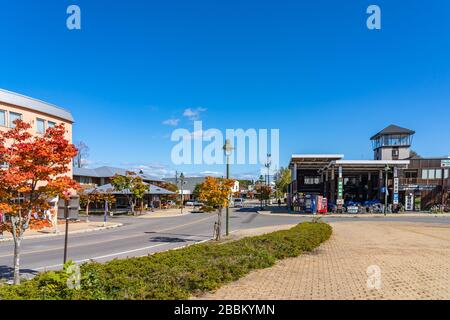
(228, 205)
(66, 237)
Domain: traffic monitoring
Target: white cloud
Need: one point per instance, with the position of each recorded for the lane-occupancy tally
(211, 174)
(198, 135)
(193, 114)
(171, 122)
(153, 169)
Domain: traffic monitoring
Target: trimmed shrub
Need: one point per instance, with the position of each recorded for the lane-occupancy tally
(176, 274)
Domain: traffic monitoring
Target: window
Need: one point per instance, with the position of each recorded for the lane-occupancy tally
(3, 118)
(312, 180)
(13, 117)
(40, 126)
(424, 174)
(446, 171)
(431, 174)
(51, 124)
(410, 174)
(395, 153)
(85, 180)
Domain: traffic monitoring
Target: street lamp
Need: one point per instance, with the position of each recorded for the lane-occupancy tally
(261, 181)
(268, 164)
(228, 150)
(181, 188)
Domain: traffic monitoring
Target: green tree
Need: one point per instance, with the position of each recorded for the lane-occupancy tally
(132, 186)
(196, 192)
(282, 181)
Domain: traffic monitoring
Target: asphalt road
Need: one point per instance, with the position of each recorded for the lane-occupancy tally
(139, 237)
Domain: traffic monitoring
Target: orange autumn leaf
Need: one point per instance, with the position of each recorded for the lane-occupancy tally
(34, 170)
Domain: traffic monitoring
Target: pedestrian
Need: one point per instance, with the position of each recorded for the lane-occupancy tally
(152, 206)
(279, 202)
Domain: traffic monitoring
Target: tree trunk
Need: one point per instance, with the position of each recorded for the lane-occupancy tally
(219, 225)
(17, 239)
(87, 212)
(16, 260)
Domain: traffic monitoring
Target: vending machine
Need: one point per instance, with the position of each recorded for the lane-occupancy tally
(311, 204)
(322, 204)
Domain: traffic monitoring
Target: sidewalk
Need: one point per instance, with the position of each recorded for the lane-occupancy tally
(413, 260)
(282, 212)
(74, 228)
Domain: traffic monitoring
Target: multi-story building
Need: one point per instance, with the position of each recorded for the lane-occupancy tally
(41, 115)
(395, 175)
(102, 175)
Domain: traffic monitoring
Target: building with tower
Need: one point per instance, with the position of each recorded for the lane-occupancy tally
(396, 176)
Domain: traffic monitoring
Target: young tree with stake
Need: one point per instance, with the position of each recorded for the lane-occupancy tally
(216, 194)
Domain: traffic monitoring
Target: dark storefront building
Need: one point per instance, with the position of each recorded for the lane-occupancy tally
(395, 176)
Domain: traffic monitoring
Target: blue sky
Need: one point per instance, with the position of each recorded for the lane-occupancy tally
(310, 68)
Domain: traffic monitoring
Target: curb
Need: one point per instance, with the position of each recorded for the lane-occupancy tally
(117, 225)
(362, 215)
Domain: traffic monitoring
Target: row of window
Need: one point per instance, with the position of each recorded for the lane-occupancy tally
(12, 116)
(430, 174)
(7, 120)
(42, 125)
(427, 174)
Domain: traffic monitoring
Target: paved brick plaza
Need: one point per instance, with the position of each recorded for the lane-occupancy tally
(414, 259)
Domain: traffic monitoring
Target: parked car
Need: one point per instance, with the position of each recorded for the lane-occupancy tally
(189, 203)
(238, 203)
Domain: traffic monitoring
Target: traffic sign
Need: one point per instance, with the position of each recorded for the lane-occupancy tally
(445, 163)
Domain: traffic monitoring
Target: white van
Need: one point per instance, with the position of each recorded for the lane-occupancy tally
(238, 203)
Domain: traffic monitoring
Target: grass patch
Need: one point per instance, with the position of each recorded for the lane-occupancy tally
(176, 274)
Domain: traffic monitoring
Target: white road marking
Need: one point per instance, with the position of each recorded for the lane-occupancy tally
(120, 254)
(110, 240)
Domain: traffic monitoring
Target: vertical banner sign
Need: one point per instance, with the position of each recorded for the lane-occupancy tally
(340, 186)
(396, 186)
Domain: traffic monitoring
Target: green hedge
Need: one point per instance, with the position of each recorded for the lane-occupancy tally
(176, 274)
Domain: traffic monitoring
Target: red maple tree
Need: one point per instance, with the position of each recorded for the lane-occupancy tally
(33, 170)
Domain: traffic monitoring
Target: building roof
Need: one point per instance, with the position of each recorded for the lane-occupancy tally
(366, 165)
(314, 161)
(108, 172)
(152, 190)
(393, 129)
(189, 182)
(35, 105)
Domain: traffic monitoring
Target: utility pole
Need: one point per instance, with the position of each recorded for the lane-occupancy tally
(72, 204)
(268, 164)
(66, 236)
